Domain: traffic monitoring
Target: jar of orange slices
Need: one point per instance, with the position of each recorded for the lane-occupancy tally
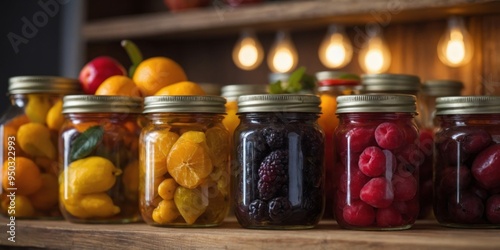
(184, 155)
(99, 169)
(29, 159)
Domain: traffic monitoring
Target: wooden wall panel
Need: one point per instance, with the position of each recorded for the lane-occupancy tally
(491, 55)
(413, 47)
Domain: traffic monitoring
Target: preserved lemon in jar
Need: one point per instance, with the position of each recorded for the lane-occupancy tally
(29, 131)
(98, 179)
(184, 162)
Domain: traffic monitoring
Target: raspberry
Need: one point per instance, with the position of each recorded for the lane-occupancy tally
(279, 209)
(352, 186)
(258, 211)
(468, 209)
(276, 138)
(357, 139)
(389, 217)
(453, 178)
(372, 161)
(493, 209)
(377, 192)
(405, 187)
(273, 174)
(359, 214)
(389, 136)
(486, 167)
(411, 134)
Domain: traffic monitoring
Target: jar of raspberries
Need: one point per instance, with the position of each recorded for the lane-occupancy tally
(278, 174)
(376, 162)
(467, 165)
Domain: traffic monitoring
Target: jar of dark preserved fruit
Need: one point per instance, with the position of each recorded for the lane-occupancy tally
(99, 167)
(29, 131)
(377, 160)
(430, 90)
(278, 175)
(467, 165)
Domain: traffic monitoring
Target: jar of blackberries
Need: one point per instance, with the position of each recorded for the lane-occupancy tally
(467, 165)
(278, 174)
(377, 159)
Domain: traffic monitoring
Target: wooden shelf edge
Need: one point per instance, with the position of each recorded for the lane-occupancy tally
(327, 235)
(269, 15)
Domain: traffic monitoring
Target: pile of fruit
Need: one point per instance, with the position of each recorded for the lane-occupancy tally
(153, 76)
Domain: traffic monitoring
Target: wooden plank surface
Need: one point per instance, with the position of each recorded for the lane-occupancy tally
(219, 17)
(327, 235)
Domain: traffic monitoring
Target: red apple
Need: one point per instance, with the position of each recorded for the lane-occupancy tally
(98, 70)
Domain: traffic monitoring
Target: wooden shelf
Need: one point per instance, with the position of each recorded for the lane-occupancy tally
(327, 235)
(220, 18)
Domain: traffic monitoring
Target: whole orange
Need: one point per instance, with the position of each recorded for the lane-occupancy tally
(27, 177)
(157, 72)
(118, 85)
(181, 88)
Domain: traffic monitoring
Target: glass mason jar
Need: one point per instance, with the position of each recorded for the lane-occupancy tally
(184, 162)
(377, 158)
(99, 168)
(29, 131)
(330, 85)
(231, 93)
(467, 165)
(430, 90)
(278, 174)
(390, 84)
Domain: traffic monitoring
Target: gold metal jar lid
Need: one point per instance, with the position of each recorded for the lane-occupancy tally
(232, 92)
(279, 103)
(376, 103)
(454, 105)
(390, 83)
(43, 84)
(185, 104)
(101, 104)
(442, 88)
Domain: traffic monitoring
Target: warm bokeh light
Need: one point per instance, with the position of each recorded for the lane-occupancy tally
(455, 46)
(282, 57)
(375, 56)
(247, 53)
(336, 50)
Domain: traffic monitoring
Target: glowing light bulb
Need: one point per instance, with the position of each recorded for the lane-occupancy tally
(336, 50)
(248, 53)
(374, 56)
(455, 47)
(282, 57)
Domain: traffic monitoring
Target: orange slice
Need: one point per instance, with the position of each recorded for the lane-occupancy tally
(189, 160)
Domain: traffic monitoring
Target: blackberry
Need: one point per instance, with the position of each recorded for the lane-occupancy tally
(273, 174)
(313, 172)
(279, 209)
(312, 142)
(275, 137)
(258, 211)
